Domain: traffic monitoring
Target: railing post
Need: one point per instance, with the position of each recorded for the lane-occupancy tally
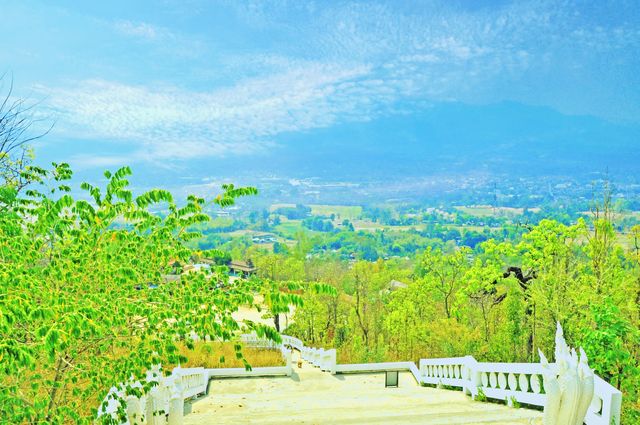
(176, 410)
(611, 408)
(135, 410)
(332, 361)
(472, 377)
(287, 357)
(320, 357)
(155, 404)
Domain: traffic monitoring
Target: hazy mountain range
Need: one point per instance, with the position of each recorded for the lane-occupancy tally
(440, 147)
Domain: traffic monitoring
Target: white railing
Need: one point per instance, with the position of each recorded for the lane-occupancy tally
(252, 340)
(164, 403)
(324, 359)
(292, 342)
(511, 382)
(521, 382)
(606, 404)
(381, 367)
(452, 372)
(192, 380)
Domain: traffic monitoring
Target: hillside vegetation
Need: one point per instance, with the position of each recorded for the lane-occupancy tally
(85, 304)
(498, 301)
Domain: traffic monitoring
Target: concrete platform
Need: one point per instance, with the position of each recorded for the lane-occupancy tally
(314, 397)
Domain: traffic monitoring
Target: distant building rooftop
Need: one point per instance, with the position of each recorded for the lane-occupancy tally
(242, 267)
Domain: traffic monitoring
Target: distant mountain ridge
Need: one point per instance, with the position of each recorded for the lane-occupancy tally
(429, 147)
(458, 138)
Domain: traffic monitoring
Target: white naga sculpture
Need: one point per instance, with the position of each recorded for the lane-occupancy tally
(568, 385)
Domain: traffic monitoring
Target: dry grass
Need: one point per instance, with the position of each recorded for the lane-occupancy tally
(210, 354)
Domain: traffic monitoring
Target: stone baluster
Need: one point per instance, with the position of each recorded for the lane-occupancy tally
(473, 375)
(135, 410)
(176, 402)
(154, 407)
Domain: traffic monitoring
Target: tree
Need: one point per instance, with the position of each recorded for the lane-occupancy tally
(83, 302)
(16, 132)
(607, 343)
(365, 284)
(280, 248)
(443, 273)
(280, 296)
(602, 237)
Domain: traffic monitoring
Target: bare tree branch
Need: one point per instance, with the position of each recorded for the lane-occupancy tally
(17, 120)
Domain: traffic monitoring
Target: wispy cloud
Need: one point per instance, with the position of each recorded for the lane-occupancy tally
(83, 161)
(350, 62)
(141, 30)
(168, 122)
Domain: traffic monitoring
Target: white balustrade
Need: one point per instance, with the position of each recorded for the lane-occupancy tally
(193, 381)
(444, 371)
(510, 382)
(521, 382)
(605, 405)
(164, 403)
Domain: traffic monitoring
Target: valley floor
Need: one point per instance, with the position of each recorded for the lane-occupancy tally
(313, 397)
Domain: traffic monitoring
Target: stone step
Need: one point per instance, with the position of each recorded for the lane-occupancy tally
(311, 397)
(356, 412)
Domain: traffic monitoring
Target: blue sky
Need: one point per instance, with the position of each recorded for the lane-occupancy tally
(151, 82)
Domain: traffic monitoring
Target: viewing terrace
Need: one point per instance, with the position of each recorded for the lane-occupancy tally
(311, 388)
(310, 396)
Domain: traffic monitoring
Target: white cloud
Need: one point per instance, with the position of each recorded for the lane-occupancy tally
(168, 122)
(80, 162)
(141, 30)
(350, 62)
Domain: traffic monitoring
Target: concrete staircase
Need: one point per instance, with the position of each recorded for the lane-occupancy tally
(314, 397)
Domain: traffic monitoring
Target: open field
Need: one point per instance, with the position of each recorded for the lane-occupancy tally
(290, 228)
(617, 215)
(341, 211)
(242, 232)
(625, 240)
(220, 222)
(469, 228)
(349, 212)
(252, 314)
(371, 226)
(489, 211)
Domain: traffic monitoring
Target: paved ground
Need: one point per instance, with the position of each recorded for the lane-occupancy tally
(314, 397)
